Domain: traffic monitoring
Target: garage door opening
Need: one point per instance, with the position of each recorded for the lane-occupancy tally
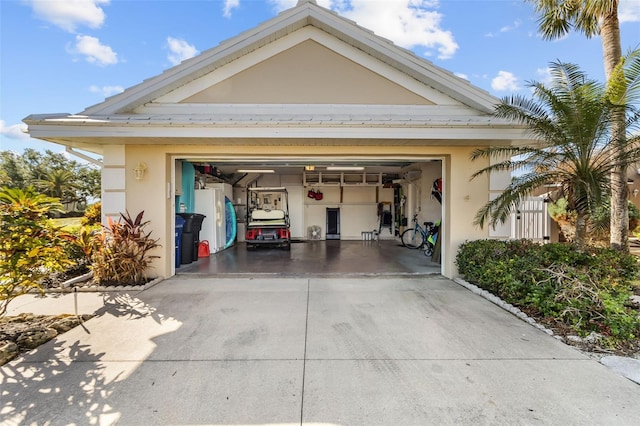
(348, 210)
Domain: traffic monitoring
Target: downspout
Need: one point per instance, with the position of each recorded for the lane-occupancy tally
(83, 156)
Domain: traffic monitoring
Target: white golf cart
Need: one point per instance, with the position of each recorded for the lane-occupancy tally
(268, 218)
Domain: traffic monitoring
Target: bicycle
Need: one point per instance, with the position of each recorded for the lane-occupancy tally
(417, 237)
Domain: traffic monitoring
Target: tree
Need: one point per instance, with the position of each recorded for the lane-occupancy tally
(14, 172)
(572, 118)
(596, 17)
(51, 172)
(30, 248)
(60, 184)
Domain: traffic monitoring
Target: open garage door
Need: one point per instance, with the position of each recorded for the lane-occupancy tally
(353, 209)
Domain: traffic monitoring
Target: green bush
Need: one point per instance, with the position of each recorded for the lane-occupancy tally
(587, 290)
(92, 215)
(31, 248)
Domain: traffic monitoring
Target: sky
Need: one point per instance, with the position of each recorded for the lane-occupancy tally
(62, 56)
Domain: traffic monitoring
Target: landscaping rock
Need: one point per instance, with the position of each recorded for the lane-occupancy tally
(8, 351)
(21, 333)
(35, 337)
(65, 324)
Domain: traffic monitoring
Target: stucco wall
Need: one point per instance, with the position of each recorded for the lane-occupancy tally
(153, 196)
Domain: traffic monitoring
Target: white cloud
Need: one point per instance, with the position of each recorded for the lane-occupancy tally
(629, 11)
(229, 5)
(15, 131)
(93, 51)
(179, 50)
(106, 91)
(408, 23)
(505, 81)
(461, 75)
(507, 28)
(287, 4)
(69, 14)
(544, 75)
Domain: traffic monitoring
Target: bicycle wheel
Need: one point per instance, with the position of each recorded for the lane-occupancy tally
(412, 238)
(428, 249)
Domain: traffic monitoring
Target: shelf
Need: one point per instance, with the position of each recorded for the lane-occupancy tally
(341, 179)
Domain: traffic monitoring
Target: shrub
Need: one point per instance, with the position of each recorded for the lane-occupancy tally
(92, 215)
(587, 290)
(30, 247)
(121, 255)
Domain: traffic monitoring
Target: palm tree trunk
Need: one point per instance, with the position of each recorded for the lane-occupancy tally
(612, 52)
(580, 239)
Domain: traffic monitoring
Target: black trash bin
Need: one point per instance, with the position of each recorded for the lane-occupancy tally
(197, 227)
(191, 236)
(178, 242)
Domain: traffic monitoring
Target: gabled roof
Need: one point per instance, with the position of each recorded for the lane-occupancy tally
(304, 14)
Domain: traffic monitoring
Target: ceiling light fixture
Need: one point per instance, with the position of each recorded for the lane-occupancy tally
(256, 171)
(344, 168)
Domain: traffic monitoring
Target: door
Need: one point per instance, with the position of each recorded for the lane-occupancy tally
(333, 224)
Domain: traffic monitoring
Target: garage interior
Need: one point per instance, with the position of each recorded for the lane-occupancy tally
(346, 215)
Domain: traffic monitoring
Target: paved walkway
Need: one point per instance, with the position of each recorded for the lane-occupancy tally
(357, 351)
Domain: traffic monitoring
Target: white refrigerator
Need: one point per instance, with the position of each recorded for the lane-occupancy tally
(210, 202)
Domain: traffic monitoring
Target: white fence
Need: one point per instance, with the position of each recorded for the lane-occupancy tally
(532, 221)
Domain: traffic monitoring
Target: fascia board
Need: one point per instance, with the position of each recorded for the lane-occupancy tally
(462, 132)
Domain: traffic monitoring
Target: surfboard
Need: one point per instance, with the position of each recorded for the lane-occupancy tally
(232, 226)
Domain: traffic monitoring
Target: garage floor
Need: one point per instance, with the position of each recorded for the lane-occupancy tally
(318, 258)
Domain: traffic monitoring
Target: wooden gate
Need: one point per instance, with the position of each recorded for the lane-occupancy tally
(531, 221)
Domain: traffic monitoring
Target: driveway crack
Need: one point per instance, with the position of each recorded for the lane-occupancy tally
(304, 357)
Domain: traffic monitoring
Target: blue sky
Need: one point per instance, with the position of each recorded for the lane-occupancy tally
(66, 55)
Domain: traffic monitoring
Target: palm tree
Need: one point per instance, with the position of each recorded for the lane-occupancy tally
(572, 118)
(60, 184)
(596, 17)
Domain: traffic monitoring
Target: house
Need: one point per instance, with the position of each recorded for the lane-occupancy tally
(300, 94)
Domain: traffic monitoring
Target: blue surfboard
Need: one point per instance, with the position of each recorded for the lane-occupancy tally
(232, 226)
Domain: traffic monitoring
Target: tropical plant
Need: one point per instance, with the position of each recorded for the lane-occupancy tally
(59, 184)
(30, 247)
(92, 214)
(593, 18)
(572, 119)
(121, 255)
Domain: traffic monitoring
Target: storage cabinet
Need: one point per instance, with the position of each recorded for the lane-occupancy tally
(341, 179)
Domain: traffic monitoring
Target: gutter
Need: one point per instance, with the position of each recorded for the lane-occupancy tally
(83, 156)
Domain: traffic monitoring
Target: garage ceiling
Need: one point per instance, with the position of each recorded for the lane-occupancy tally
(228, 169)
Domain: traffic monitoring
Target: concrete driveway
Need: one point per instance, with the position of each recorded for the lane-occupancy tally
(357, 351)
